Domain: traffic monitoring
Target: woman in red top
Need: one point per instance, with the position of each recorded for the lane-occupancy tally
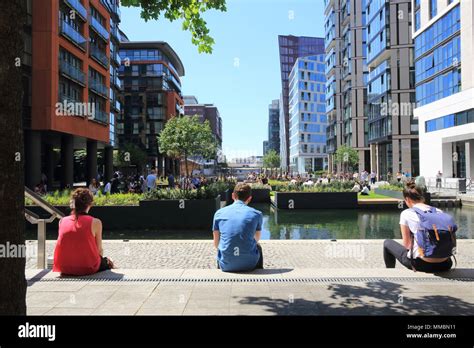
(79, 247)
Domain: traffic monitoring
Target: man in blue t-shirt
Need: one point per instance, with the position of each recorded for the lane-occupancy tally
(237, 230)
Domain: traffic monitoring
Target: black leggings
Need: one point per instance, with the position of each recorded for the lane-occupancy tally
(393, 251)
(104, 264)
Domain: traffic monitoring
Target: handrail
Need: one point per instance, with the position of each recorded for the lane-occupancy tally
(43, 204)
(36, 220)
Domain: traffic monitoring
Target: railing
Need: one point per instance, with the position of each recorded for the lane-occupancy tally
(65, 98)
(100, 56)
(117, 82)
(72, 71)
(452, 185)
(115, 56)
(99, 28)
(98, 87)
(71, 33)
(100, 116)
(80, 9)
(41, 261)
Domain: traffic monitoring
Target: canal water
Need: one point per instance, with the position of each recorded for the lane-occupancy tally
(316, 224)
(346, 224)
(307, 224)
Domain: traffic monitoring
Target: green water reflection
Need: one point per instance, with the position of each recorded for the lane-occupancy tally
(345, 224)
(304, 224)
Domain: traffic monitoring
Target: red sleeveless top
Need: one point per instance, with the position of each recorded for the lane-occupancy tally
(76, 250)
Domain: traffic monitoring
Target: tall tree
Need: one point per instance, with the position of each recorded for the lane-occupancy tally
(12, 20)
(271, 160)
(131, 154)
(347, 157)
(12, 232)
(184, 137)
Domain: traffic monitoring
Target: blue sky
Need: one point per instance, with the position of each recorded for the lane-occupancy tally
(242, 76)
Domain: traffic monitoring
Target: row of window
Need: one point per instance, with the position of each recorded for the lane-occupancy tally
(146, 54)
(380, 128)
(449, 121)
(439, 31)
(440, 87)
(443, 57)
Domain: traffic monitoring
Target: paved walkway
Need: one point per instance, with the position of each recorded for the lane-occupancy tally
(189, 254)
(264, 292)
(300, 278)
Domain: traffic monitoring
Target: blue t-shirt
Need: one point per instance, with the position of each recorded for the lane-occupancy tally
(151, 181)
(237, 224)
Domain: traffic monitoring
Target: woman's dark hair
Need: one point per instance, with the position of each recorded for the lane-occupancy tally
(81, 198)
(413, 192)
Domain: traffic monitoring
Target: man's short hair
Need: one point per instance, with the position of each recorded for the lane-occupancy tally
(243, 191)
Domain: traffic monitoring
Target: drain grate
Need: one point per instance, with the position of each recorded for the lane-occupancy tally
(325, 280)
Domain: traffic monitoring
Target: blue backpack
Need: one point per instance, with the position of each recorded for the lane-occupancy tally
(436, 236)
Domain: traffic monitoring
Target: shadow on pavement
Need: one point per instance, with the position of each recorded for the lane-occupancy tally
(374, 298)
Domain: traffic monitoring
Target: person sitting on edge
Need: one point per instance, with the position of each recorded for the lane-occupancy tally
(236, 230)
(412, 253)
(78, 250)
(365, 191)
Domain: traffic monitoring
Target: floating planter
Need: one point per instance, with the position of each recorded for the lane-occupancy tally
(152, 215)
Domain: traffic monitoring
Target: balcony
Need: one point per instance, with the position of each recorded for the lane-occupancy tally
(99, 29)
(115, 57)
(72, 72)
(99, 56)
(73, 35)
(63, 98)
(100, 116)
(115, 34)
(116, 105)
(78, 7)
(98, 87)
(117, 82)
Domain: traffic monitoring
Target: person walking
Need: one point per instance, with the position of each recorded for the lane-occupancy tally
(439, 177)
(151, 181)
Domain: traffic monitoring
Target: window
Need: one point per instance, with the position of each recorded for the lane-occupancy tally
(433, 8)
(417, 20)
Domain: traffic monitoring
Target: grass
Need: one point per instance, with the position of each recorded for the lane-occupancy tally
(373, 195)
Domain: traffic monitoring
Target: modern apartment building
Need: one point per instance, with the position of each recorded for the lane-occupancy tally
(208, 112)
(273, 142)
(291, 48)
(308, 119)
(346, 75)
(393, 132)
(444, 42)
(265, 147)
(150, 73)
(69, 105)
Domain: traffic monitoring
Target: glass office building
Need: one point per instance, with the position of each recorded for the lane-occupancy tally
(392, 130)
(444, 78)
(307, 109)
(291, 48)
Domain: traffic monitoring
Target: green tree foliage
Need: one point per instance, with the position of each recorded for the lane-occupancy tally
(347, 156)
(271, 159)
(187, 136)
(187, 10)
(130, 154)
